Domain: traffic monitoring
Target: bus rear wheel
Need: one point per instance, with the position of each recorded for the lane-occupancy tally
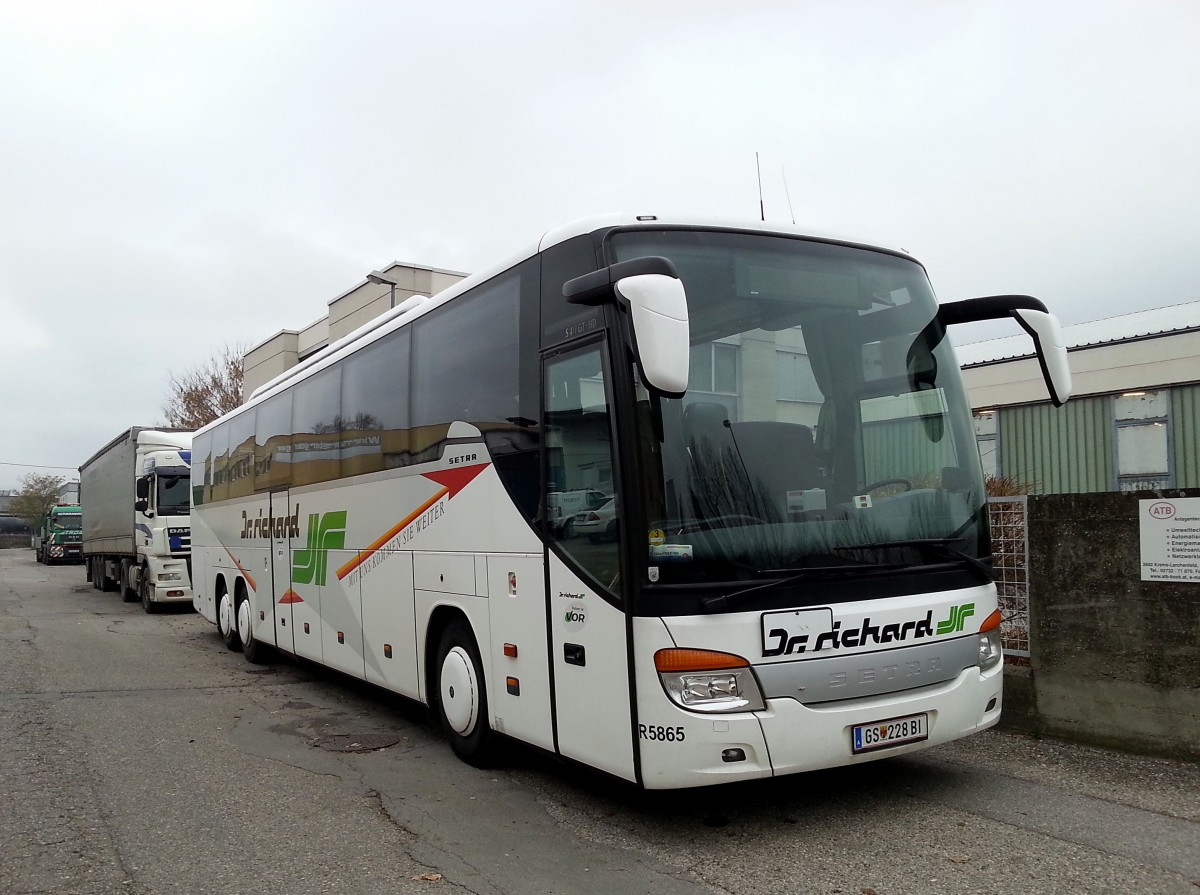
(252, 648)
(461, 697)
(226, 624)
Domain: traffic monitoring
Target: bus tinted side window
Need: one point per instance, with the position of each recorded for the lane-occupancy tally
(316, 428)
(273, 443)
(375, 423)
(464, 365)
(239, 474)
(201, 467)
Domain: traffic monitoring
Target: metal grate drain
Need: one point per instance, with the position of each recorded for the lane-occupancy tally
(362, 742)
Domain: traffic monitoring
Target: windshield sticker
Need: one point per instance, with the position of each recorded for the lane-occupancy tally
(657, 537)
(862, 502)
(671, 552)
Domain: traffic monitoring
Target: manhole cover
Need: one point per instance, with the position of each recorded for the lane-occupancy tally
(363, 742)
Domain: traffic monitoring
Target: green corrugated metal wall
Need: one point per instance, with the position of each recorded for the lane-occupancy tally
(1185, 420)
(1059, 450)
(904, 449)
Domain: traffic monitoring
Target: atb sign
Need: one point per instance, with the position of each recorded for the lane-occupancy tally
(1170, 531)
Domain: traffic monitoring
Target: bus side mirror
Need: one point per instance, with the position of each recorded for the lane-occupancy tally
(657, 302)
(1033, 317)
(658, 309)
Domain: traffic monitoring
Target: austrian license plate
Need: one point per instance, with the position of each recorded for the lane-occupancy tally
(893, 732)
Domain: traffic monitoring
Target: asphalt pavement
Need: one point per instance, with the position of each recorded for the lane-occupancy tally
(139, 755)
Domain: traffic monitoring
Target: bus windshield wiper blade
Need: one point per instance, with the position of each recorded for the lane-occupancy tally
(940, 545)
(723, 602)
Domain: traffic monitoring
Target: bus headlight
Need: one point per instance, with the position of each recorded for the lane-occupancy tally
(708, 681)
(991, 650)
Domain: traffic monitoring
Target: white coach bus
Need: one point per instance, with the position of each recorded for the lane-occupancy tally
(793, 571)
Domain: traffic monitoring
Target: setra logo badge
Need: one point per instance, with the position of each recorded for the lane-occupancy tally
(325, 532)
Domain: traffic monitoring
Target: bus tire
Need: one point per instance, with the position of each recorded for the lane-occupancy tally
(226, 620)
(462, 696)
(253, 649)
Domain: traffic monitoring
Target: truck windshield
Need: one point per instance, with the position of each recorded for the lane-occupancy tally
(173, 496)
(825, 425)
(68, 521)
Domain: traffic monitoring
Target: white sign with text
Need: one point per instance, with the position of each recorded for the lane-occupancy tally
(1170, 531)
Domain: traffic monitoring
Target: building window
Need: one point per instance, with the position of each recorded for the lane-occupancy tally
(713, 376)
(987, 429)
(1143, 460)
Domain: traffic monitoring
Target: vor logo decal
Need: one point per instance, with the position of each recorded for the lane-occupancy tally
(326, 532)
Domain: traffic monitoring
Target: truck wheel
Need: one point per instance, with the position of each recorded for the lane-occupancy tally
(226, 623)
(253, 649)
(106, 583)
(128, 594)
(94, 571)
(461, 698)
(144, 590)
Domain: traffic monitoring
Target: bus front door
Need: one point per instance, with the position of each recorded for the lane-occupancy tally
(588, 632)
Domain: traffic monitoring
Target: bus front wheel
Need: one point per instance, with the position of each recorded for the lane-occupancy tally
(461, 697)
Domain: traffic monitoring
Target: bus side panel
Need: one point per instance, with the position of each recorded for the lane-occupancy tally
(389, 626)
(520, 670)
(305, 620)
(341, 616)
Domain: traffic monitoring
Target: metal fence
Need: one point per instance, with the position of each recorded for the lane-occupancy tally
(1010, 561)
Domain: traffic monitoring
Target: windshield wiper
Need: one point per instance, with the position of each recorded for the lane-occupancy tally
(724, 602)
(939, 545)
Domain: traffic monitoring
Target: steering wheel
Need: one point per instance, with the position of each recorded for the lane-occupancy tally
(875, 486)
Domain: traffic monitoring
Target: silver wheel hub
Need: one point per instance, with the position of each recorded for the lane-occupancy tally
(225, 615)
(243, 617)
(459, 689)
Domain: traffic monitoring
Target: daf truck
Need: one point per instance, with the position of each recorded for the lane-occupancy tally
(137, 535)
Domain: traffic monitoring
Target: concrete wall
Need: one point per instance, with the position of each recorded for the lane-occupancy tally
(1115, 660)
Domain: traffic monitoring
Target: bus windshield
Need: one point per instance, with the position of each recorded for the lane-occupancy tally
(825, 423)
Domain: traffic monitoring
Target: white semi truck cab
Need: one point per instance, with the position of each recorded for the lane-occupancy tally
(163, 526)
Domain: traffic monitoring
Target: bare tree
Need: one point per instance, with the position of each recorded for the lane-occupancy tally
(199, 396)
(37, 495)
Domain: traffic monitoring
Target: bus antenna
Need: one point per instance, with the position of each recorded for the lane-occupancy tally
(786, 192)
(761, 213)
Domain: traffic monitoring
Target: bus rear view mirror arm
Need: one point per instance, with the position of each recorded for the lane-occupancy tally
(658, 312)
(1033, 317)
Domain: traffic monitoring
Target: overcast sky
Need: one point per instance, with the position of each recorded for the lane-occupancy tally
(177, 176)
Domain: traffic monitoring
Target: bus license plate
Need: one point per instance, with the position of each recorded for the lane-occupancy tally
(893, 732)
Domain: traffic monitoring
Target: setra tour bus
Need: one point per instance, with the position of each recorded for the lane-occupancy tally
(790, 567)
